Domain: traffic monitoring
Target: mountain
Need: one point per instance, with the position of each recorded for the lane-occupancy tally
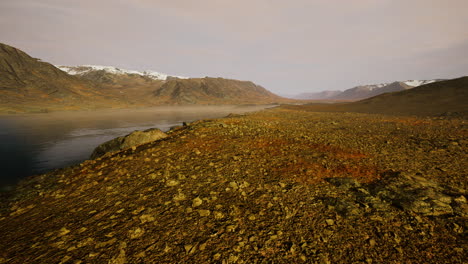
(448, 97)
(161, 88)
(28, 84)
(214, 90)
(132, 87)
(364, 91)
(443, 97)
(158, 88)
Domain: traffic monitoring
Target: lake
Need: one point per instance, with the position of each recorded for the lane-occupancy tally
(36, 143)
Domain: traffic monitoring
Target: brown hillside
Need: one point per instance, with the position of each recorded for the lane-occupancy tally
(132, 89)
(214, 91)
(29, 84)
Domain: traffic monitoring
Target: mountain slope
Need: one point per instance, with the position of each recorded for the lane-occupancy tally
(29, 84)
(214, 90)
(132, 87)
(434, 98)
(444, 97)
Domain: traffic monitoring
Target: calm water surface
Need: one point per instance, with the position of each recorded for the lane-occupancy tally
(37, 143)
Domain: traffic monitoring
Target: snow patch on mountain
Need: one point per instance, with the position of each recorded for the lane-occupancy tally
(416, 83)
(83, 69)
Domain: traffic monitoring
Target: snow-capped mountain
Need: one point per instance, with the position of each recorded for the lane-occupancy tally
(365, 91)
(85, 69)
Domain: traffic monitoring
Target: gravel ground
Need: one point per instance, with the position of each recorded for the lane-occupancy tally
(276, 186)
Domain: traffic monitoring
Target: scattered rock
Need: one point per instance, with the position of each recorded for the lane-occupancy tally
(197, 202)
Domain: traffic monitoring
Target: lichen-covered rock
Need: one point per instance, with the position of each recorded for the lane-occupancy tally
(133, 139)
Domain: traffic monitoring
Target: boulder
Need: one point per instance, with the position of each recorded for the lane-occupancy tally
(133, 139)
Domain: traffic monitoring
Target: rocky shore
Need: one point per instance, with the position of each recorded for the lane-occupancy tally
(276, 186)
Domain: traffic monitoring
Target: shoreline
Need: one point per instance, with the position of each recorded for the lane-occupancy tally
(140, 117)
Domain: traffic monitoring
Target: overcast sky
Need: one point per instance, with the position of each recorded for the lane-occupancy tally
(286, 46)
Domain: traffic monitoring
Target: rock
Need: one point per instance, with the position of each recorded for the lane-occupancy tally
(189, 248)
(204, 212)
(63, 231)
(136, 233)
(171, 183)
(146, 218)
(131, 140)
(197, 202)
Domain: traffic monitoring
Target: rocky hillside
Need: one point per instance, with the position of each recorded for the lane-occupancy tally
(214, 91)
(29, 84)
(439, 98)
(278, 186)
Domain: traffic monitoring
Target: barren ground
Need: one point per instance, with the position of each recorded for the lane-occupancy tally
(277, 186)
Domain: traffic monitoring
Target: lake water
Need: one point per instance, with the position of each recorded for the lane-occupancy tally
(37, 143)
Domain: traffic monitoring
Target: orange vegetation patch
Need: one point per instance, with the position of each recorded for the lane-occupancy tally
(310, 173)
(268, 143)
(337, 152)
(209, 144)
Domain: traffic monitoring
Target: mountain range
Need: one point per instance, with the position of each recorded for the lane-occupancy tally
(364, 91)
(29, 85)
(447, 98)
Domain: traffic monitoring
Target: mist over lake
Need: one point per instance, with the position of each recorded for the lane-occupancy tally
(37, 143)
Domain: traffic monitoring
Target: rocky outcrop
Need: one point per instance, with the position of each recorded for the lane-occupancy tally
(133, 139)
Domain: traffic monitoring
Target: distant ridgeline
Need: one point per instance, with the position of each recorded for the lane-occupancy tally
(364, 91)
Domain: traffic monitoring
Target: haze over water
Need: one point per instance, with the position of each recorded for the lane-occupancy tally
(37, 143)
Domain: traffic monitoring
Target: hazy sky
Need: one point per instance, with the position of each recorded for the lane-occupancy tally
(286, 46)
